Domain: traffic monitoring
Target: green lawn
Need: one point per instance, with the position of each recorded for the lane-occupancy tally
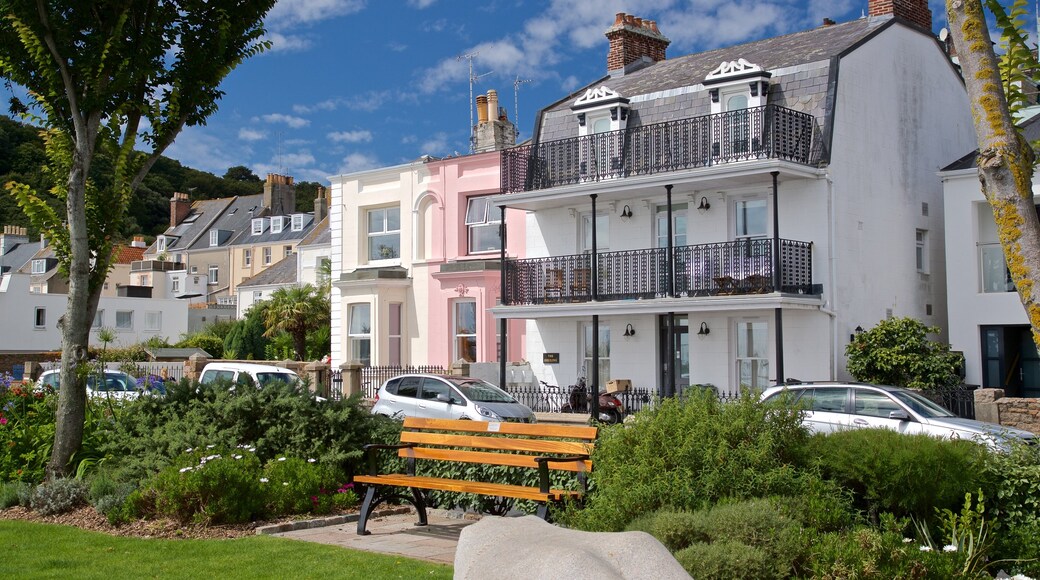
(30, 550)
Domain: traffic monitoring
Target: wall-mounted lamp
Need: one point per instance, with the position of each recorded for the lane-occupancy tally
(859, 331)
(629, 331)
(626, 212)
(704, 206)
(704, 331)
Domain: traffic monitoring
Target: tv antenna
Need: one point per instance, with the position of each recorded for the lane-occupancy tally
(516, 102)
(472, 79)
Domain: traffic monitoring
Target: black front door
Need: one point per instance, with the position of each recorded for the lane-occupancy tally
(1010, 360)
(680, 353)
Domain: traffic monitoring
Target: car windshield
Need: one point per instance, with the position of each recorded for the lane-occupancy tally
(268, 378)
(482, 392)
(112, 382)
(921, 405)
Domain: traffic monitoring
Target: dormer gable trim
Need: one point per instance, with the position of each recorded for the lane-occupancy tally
(735, 71)
(599, 97)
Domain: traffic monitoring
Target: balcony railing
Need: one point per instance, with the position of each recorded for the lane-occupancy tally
(768, 132)
(740, 267)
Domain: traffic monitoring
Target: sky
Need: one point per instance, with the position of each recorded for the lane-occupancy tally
(352, 85)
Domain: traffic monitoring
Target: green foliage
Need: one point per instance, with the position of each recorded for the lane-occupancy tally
(898, 352)
(277, 420)
(966, 537)
(211, 488)
(1012, 489)
(901, 474)
(687, 453)
(26, 434)
(14, 493)
(213, 345)
(295, 486)
(58, 496)
(868, 553)
(1018, 63)
(245, 340)
(298, 311)
(676, 530)
(722, 560)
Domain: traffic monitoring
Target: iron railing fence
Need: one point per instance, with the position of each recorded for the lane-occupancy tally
(959, 399)
(738, 267)
(575, 400)
(766, 132)
(373, 377)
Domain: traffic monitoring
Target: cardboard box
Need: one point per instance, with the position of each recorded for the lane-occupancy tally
(618, 385)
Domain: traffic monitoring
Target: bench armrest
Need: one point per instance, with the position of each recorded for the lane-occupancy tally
(372, 448)
(543, 468)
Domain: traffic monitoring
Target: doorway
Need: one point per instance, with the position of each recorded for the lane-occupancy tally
(1010, 360)
(681, 352)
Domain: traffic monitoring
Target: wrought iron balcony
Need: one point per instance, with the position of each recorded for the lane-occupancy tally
(740, 267)
(768, 132)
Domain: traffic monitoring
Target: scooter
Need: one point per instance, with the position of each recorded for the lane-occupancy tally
(610, 410)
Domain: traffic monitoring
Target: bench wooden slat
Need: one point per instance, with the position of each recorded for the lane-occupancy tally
(534, 429)
(543, 446)
(492, 489)
(510, 459)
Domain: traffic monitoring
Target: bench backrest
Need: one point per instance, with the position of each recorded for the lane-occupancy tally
(511, 444)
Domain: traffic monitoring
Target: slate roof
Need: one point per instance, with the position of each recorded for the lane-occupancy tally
(321, 235)
(1030, 130)
(817, 44)
(245, 233)
(19, 255)
(201, 214)
(235, 218)
(280, 274)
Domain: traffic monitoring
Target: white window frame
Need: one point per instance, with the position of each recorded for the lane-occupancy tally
(359, 332)
(39, 317)
(375, 235)
(267, 255)
(584, 336)
(479, 219)
(394, 335)
(287, 251)
(214, 274)
(258, 295)
(128, 323)
(277, 224)
(214, 238)
(297, 222)
(193, 270)
(258, 226)
(602, 232)
(153, 321)
(679, 216)
(756, 357)
(39, 266)
(247, 257)
(921, 250)
(175, 285)
(460, 332)
(160, 244)
(737, 206)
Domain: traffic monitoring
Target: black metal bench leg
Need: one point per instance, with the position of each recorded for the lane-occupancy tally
(543, 511)
(366, 510)
(420, 506)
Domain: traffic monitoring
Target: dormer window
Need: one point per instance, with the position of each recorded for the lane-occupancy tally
(258, 226)
(214, 238)
(738, 91)
(160, 244)
(602, 117)
(277, 224)
(297, 222)
(39, 266)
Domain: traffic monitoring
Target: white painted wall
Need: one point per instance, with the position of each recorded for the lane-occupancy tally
(18, 308)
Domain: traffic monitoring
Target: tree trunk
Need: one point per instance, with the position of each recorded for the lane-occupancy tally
(300, 345)
(1005, 158)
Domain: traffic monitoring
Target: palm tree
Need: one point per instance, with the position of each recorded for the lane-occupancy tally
(296, 310)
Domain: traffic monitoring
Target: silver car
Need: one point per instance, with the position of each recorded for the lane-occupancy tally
(448, 397)
(831, 407)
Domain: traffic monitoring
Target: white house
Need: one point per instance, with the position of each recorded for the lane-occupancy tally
(732, 216)
(986, 319)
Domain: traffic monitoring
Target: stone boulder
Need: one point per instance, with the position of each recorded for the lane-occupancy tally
(528, 548)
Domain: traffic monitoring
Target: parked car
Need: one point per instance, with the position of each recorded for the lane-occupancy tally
(831, 407)
(116, 384)
(251, 373)
(448, 397)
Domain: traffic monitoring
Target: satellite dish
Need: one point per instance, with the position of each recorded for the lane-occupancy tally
(943, 33)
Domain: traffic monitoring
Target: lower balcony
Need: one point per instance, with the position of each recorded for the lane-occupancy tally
(725, 268)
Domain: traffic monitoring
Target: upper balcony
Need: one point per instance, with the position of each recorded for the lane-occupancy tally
(767, 132)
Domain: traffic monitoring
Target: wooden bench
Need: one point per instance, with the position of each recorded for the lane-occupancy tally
(520, 445)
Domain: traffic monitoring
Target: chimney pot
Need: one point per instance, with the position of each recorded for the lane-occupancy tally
(482, 109)
(632, 40)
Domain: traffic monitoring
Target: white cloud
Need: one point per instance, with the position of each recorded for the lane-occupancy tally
(199, 149)
(437, 145)
(409, 139)
(358, 162)
(368, 101)
(300, 159)
(288, 13)
(294, 122)
(350, 136)
(421, 4)
(246, 134)
(288, 42)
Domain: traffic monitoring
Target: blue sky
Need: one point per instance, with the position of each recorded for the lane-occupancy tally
(351, 85)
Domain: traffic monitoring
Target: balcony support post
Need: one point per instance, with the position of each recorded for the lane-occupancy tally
(502, 322)
(593, 267)
(594, 375)
(669, 375)
(670, 256)
(779, 313)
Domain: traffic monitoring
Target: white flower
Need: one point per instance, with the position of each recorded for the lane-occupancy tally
(210, 446)
(950, 548)
(251, 449)
(214, 457)
(926, 548)
(263, 480)
(183, 469)
(907, 540)
(188, 450)
(1021, 577)
(237, 456)
(202, 460)
(311, 460)
(285, 483)
(281, 459)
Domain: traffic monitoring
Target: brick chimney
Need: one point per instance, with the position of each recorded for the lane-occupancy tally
(321, 205)
(632, 39)
(280, 194)
(494, 131)
(914, 11)
(12, 236)
(138, 242)
(180, 207)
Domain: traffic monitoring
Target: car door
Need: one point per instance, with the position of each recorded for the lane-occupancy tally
(871, 409)
(826, 408)
(429, 406)
(404, 402)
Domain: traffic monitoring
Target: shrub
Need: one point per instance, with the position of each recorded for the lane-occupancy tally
(725, 560)
(688, 453)
(14, 493)
(898, 352)
(26, 434)
(295, 486)
(902, 474)
(821, 505)
(208, 487)
(58, 496)
(676, 530)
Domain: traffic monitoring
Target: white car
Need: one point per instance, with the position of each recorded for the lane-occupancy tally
(115, 385)
(448, 397)
(831, 407)
(257, 374)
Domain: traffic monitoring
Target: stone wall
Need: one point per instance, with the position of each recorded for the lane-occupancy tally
(992, 406)
(15, 363)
